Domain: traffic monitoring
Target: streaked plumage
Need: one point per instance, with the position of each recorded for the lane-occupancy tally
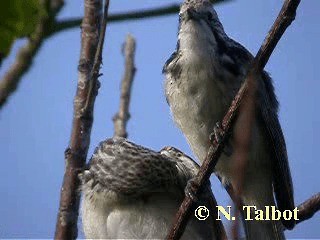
(131, 192)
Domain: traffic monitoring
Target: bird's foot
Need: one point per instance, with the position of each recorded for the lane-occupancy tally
(193, 186)
(217, 135)
(190, 190)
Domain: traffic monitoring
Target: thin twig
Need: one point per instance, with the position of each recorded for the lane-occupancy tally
(284, 19)
(242, 141)
(25, 55)
(94, 74)
(76, 153)
(121, 118)
(63, 25)
(308, 208)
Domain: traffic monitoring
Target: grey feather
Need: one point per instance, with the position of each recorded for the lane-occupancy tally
(212, 67)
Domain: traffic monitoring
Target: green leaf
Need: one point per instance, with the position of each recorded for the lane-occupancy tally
(18, 19)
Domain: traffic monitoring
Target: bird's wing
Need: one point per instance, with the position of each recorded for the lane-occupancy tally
(282, 182)
(125, 168)
(268, 112)
(172, 58)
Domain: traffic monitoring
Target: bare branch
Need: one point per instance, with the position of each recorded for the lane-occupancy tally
(309, 208)
(284, 19)
(92, 39)
(242, 141)
(23, 61)
(126, 16)
(94, 74)
(63, 25)
(25, 55)
(121, 118)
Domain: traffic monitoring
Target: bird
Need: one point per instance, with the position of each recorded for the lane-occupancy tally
(132, 192)
(202, 77)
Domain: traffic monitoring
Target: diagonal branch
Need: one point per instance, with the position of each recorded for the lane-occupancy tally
(25, 55)
(92, 39)
(23, 62)
(121, 118)
(284, 19)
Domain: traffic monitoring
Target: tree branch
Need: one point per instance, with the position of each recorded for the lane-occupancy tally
(92, 39)
(113, 18)
(242, 132)
(25, 55)
(121, 118)
(126, 16)
(94, 74)
(284, 19)
(309, 208)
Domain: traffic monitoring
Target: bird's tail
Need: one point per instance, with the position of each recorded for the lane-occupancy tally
(261, 229)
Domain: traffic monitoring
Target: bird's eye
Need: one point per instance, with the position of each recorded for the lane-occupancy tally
(179, 155)
(209, 16)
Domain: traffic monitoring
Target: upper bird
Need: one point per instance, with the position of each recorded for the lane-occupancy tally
(131, 192)
(203, 75)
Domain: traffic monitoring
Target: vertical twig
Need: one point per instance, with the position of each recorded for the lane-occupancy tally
(94, 74)
(92, 39)
(242, 142)
(284, 19)
(121, 118)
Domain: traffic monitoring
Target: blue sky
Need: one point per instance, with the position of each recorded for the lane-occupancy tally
(35, 124)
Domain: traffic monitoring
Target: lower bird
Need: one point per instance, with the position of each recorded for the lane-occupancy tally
(132, 192)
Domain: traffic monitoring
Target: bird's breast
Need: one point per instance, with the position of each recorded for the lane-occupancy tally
(139, 218)
(197, 97)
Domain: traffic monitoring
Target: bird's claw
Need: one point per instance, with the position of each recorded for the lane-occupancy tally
(190, 189)
(217, 133)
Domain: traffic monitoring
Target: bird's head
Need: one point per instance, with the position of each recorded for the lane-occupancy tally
(199, 24)
(197, 10)
(180, 157)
